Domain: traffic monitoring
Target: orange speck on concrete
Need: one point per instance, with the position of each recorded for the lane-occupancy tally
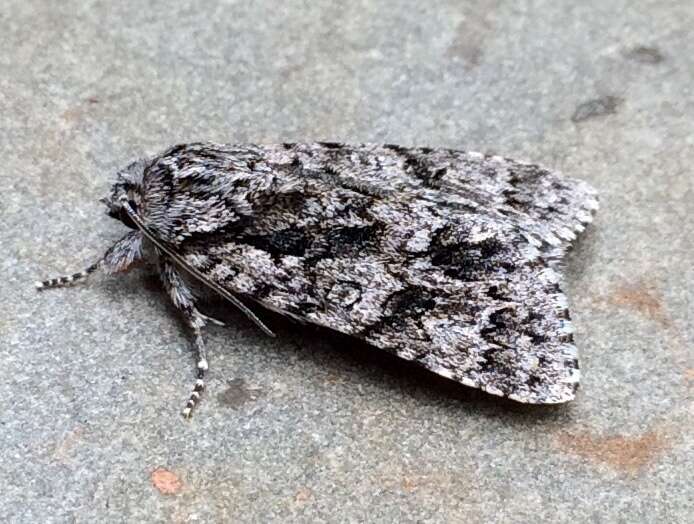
(303, 496)
(644, 297)
(408, 484)
(628, 454)
(166, 481)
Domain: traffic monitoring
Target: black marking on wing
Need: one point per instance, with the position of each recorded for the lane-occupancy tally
(422, 170)
(351, 240)
(410, 303)
(469, 261)
(291, 241)
(419, 164)
(396, 148)
(331, 145)
(402, 307)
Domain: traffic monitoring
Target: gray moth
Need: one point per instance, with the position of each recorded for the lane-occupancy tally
(447, 258)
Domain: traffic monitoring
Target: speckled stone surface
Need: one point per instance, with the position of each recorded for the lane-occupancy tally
(311, 427)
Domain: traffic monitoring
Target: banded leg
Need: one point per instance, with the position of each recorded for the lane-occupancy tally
(67, 280)
(120, 257)
(184, 300)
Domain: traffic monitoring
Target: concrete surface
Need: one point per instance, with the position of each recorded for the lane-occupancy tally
(310, 427)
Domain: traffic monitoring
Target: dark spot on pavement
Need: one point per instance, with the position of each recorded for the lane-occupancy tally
(470, 36)
(606, 105)
(237, 394)
(645, 55)
(151, 282)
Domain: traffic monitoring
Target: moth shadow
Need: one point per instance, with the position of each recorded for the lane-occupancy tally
(582, 254)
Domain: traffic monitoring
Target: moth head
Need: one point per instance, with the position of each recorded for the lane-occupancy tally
(129, 184)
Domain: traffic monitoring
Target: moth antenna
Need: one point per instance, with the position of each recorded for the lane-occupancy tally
(123, 200)
(68, 280)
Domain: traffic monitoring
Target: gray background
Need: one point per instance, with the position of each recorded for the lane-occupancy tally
(310, 426)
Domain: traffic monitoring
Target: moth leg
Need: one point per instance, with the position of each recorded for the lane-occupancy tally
(67, 280)
(184, 300)
(119, 258)
(215, 321)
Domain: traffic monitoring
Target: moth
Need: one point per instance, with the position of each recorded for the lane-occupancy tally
(447, 258)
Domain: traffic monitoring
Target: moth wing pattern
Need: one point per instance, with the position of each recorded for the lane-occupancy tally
(431, 274)
(550, 207)
(506, 332)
